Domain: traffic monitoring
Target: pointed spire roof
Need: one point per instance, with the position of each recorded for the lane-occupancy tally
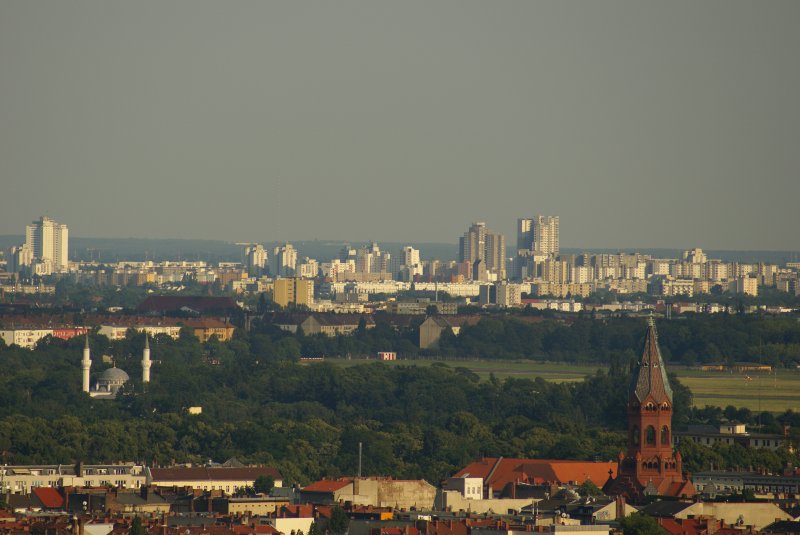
(650, 376)
(86, 345)
(146, 341)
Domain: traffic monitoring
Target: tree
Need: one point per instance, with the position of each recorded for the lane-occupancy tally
(588, 488)
(338, 521)
(639, 524)
(136, 526)
(264, 484)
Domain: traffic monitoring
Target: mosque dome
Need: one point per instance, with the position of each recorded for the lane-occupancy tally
(114, 376)
(109, 382)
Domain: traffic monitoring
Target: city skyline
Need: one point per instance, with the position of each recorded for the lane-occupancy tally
(661, 125)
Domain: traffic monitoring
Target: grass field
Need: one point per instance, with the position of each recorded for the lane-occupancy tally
(761, 392)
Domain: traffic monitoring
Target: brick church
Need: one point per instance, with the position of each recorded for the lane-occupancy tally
(650, 466)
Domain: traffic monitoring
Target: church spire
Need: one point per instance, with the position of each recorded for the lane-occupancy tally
(650, 376)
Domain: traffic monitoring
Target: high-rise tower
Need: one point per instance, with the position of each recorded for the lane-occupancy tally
(49, 243)
(545, 234)
(482, 246)
(146, 360)
(86, 364)
(650, 466)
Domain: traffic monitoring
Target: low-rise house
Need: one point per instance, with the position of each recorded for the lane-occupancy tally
(193, 304)
(372, 491)
(498, 473)
(327, 491)
(730, 433)
(23, 478)
(431, 330)
(250, 505)
(47, 498)
(323, 323)
(783, 527)
(205, 328)
(714, 483)
(226, 479)
(145, 501)
(743, 514)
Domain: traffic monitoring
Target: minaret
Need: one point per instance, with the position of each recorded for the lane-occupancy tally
(146, 360)
(86, 364)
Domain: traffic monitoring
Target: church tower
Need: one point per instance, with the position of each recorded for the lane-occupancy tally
(649, 466)
(146, 360)
(86, 364)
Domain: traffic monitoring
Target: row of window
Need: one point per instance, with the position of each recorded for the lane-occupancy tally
(650, 435)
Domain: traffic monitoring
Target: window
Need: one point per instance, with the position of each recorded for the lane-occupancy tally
(665, 435)
(650, 436)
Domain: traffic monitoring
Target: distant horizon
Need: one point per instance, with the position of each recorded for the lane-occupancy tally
(7, 238)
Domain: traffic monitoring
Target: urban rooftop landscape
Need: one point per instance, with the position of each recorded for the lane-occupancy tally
(399, 268)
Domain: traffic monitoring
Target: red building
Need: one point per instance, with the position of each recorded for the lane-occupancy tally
(650, 466)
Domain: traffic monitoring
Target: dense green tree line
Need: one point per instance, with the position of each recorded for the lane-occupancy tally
(617, 341)
(261, 405)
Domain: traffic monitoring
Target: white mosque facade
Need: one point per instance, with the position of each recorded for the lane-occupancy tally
(110, 381)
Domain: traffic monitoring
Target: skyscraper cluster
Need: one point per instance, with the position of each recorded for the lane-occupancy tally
(482, 253)
(46, 248)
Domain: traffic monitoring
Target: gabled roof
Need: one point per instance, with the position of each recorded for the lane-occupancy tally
(665, 508)
(132, 498)
(783, 526)
(200, 303)
(49, 497)
(650, 376)
(498, 472)
(327, 485)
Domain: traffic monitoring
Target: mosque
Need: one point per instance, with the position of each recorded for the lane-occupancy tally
(109, 382)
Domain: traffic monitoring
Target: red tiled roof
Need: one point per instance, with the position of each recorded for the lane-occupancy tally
(49, 497)
(505, 471)
(298, 511)
(327, 485)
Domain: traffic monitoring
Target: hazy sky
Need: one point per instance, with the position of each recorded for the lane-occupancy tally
(660, 124)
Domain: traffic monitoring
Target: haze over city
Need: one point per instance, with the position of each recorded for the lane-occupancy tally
(641, 125)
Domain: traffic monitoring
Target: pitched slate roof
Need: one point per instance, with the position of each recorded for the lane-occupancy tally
(650, 377)
(665, 508)
(783, 526)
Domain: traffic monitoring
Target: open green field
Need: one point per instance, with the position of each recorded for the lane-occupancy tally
(761, 392)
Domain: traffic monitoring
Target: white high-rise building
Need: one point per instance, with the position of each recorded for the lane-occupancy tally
(49, 243)
(411, 261)
(284, 261)
(545, 234)
(255, 258)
